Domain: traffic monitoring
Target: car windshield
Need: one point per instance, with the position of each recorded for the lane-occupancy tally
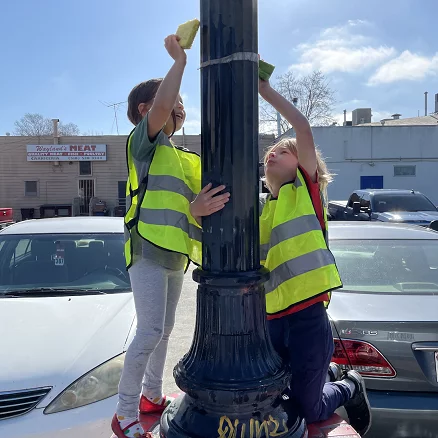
(388, 266)
(80, 263)
(408, 202)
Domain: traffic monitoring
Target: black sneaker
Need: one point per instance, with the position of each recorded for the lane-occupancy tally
(358, 407)
(334, 372)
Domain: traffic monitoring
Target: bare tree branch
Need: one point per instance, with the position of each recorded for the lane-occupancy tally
(35, 125)
(69, 129)
(316, 100)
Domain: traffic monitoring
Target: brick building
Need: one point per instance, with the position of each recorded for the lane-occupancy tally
(59, 176)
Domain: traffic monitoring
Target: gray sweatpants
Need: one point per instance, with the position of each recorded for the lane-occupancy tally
(156, 294)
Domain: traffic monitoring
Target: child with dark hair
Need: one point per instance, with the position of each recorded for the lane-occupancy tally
(162, 234)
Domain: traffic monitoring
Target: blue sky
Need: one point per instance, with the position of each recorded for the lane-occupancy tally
(63, 58)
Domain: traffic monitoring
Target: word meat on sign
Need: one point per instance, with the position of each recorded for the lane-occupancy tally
(252, 428)
(66, 152)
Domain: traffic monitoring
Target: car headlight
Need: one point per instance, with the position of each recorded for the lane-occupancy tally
(100, 383)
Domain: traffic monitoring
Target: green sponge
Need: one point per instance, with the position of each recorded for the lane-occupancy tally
(187, 33)
(265, 70)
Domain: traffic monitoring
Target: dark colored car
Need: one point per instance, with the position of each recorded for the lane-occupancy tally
(385, 205)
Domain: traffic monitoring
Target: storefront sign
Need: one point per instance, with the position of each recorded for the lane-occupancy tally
(66, 152)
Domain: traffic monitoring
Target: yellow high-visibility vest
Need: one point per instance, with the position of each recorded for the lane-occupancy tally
(293, 248)
(158, 205)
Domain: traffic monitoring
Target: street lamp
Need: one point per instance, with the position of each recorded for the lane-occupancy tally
(231, 377)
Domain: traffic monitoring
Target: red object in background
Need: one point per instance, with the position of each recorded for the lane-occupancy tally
(334, 427)
(6, 215)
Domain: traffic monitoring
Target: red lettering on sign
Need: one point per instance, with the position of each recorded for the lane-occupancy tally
(73, 148)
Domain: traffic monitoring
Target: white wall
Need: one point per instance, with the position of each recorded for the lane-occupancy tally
(352, 152)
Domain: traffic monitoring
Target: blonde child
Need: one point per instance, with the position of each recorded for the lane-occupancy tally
(303, 272)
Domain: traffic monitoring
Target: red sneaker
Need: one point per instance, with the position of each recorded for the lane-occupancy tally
(120, 433)
(147, 407)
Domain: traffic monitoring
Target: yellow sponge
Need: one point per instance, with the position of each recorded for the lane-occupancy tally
(187, 33)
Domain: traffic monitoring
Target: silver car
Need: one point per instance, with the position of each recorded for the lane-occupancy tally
(385, 321)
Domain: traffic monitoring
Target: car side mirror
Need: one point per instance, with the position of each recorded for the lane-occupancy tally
(356, 207)
(434, 225)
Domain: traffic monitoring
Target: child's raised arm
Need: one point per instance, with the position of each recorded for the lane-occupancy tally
(169, 89)
(303, 131)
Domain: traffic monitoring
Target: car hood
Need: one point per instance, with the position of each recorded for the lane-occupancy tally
(52, 341)
(409, 216)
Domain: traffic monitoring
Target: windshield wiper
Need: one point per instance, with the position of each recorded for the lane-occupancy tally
(50, 291)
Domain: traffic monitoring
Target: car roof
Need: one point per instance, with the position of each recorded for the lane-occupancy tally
(390, 191)
(378, 230)
(67, 225)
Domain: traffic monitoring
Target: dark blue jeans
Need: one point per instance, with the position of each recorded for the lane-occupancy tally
(305, 343)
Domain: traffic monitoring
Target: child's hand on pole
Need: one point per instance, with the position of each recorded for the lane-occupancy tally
(208, 201)
(264, 86)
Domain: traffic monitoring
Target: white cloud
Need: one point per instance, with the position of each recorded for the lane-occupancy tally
(341, 48)
(192, 124)
(339, 118)
(408, 66)
(192, 127)
(380, 115)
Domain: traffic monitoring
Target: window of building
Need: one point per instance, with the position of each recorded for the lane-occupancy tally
(404, 170)
(31, 188)
(85, 168)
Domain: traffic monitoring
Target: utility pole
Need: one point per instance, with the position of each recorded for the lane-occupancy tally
(278, 124)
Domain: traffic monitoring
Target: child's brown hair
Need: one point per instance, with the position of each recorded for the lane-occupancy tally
(144, 92)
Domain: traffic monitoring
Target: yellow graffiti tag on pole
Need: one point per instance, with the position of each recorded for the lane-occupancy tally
(265, 429)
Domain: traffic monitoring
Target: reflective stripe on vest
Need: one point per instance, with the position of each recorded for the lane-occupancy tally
(172, 218)
(128, 246)
(159, 206)
(293, 248)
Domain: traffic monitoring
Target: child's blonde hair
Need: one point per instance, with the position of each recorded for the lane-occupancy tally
(324, 175)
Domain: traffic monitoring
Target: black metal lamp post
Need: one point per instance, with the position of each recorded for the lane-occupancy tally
(232, 378)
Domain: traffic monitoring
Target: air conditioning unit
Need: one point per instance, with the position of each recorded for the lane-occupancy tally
(361, 115)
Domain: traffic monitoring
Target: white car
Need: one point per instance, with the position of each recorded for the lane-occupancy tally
(67, 315)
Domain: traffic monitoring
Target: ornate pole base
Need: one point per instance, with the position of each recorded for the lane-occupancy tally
(232, 377)
(185, 419)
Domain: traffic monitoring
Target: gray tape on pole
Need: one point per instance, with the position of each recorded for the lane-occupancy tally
(239, 56)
